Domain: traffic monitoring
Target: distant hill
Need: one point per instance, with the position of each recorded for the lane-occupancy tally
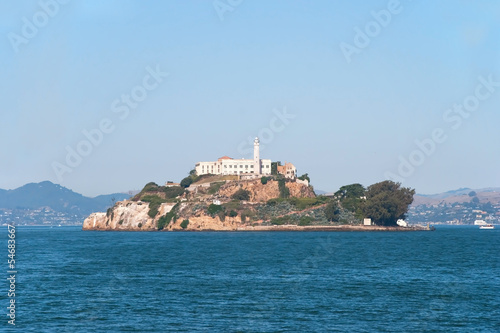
(490, 194)
(57, 198)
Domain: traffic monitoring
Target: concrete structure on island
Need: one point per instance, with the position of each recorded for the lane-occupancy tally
(288, 170)
(229, 166)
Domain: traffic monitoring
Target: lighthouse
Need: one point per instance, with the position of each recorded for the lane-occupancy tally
(256, 157)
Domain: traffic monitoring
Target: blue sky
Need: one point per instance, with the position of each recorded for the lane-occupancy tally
(232, 67)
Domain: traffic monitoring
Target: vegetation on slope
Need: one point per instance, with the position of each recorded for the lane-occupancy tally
(384, 203)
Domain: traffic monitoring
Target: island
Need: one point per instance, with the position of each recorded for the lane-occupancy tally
(256, 195)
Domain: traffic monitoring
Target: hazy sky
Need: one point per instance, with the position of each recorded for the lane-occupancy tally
(349, 91)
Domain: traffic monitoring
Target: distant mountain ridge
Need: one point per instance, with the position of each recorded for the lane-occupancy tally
(56, 197)
(458, 192)
(489, 194)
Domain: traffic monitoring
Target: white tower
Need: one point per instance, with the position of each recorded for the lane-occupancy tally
(256, 157)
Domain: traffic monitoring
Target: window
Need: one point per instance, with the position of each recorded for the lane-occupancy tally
(241, 166)
(225, 166)
(251, 166)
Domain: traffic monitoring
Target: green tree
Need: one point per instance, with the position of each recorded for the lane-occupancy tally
(472, 193)
(274, 167)
(386, 202)
(332, 211)
(351, 198)
(351, 191)
(263, 180)
(186, 182)
(305, 177)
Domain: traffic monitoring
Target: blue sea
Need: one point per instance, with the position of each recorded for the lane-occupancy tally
(70, 280)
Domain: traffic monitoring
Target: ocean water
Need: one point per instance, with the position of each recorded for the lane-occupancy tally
(83, 281)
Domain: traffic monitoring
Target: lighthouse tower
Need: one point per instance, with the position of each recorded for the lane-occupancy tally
(256, 157)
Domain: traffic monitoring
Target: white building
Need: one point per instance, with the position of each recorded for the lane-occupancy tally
(229, 166)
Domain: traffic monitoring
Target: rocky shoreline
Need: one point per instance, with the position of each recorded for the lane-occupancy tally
(290, 228)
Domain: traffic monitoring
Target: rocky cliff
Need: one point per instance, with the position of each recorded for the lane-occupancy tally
(263, 192)
(126, 215)
(207, 208)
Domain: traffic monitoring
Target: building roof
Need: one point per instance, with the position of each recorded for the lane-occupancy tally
(225, 158)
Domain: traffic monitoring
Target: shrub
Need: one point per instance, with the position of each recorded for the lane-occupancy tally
(184, 224)
(303, 203)
(140, 225)
(241, 194)
(263, 180)
(186, 182)
(281, 220)
(305, 220)
(274, 201)
(167, 218)
(173, 192)
(233, 205)
(121, 222)
(305, 177)
(154, 204)
(233, 213)
(214, 209)
(214, 187)
(332, 212)
(247, 213)
(149, 187)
